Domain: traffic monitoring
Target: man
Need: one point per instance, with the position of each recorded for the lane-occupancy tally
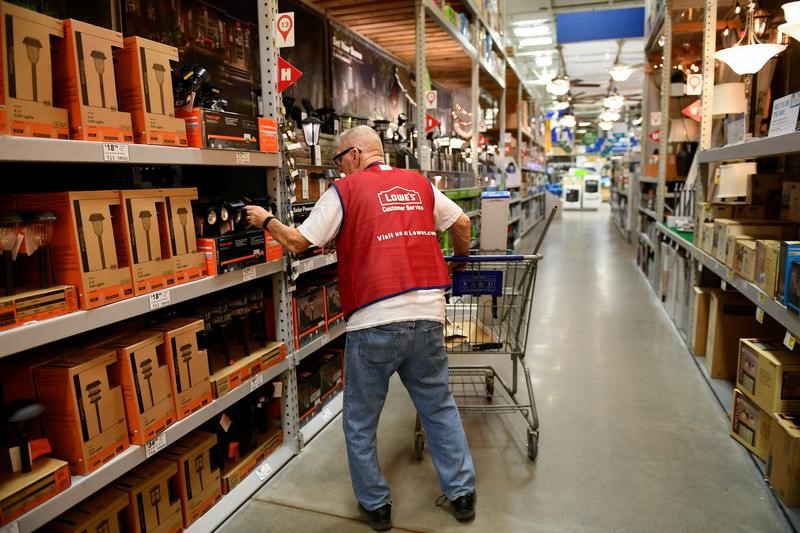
(391, 282)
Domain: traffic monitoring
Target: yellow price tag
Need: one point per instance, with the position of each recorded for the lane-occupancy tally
(789, 340)
(761, 298)
(760, 315)
(730, 274)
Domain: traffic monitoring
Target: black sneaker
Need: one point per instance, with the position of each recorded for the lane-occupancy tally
(380, 519)
(464, 507)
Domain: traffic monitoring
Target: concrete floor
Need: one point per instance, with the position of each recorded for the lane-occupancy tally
(631, 436)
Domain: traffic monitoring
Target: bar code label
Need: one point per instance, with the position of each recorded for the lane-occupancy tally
(760, 315)
(256, 382)
(159, 299)
(156, 445)
(789, 341)
(242, 158)
(115, 152)
(249, 273)
(724, 285)
(264, 470)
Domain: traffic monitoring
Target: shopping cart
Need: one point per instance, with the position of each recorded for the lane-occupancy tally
(488, 313)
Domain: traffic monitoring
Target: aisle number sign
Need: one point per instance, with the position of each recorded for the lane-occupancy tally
(431, 99)
(287, 74)
(285, 23)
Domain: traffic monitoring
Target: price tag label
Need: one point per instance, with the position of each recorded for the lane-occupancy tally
(760, 315)
(156, 445)
(293, 146)
(724, 285)
(242, 158)
(13, 527)
(294, 173)
(330, 259)
(327, 414)
(256, 382)
(159, 299)
(249, 273)
(278, 389)
(761, 298)
(730, 274)
(699, 267)
(264, 470)
(115, 152)
(789, 341)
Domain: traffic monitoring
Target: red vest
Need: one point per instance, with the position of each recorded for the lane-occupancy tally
(387, 243)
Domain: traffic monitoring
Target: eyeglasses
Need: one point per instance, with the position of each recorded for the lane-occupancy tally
(337, 159)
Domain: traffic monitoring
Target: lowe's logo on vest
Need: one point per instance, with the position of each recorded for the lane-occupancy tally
(400, 199)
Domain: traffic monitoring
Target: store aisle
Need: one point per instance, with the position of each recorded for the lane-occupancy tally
(631, 437)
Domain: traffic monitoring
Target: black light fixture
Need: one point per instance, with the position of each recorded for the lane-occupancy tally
(33, 48)
(97, 226)
(311, 126)
(160, 71)
(100, 67)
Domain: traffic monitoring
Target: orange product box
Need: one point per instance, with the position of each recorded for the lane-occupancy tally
(147, 239)
(19, 493)
(86, 242)
(85, 84)
(144, 376)
(189, 263)
(40, 304)
(198, 478)
(145, 90)
(231, 376)
(308, 306)
(154, 505)
(102, 512)
(273, 247)
(188, 365)
(26, 74)
(268, 135)
(84, 416)
(233, 474)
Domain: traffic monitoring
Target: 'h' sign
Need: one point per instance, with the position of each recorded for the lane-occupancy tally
(287, 74)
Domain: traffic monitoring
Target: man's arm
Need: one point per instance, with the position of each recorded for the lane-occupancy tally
(460, 234)
(288, 237)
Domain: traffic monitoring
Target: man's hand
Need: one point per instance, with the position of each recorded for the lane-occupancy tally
(256, 215)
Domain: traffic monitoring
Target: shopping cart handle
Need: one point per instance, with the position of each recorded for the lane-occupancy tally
(488, 258)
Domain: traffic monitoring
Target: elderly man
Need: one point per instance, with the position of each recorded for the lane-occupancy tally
(391, 281)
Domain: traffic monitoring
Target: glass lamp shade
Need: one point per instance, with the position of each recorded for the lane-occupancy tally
(558, 86)
(311, 127)
(9, 222)
(682, 130)
(609, 116)
(99, 61)
(605, 126)
(40, 227)
(620, 72)
(729, 98)
(32, 49)
(749, 58)
(792, 29)
(568, 121)
(614, 102)
(792, 12)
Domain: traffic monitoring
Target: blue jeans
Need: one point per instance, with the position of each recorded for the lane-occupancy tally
(415, 350)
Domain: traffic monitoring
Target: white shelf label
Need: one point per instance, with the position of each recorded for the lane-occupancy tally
(789, 341)
(13, 527)
(278, 389)
(264, 470)
(293, 146)
(249, 273)
(724, 285)
(159, 299)
(115, 152)
(156, 445)
(327, 415)
(242, 158)
(760, 315)
(256, 382)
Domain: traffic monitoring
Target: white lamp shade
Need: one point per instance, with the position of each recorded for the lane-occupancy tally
(792, 29)
(558, 86)
(733, 179)
(792, 12)
(614, 102)
(609, 116)
(729, 98)
(568, 121)
(749, 58)
(683, 130)
(620, 72)
(605, 126)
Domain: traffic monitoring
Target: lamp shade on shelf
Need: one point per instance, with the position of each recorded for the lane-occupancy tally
(729, 98)
(311, 126)
(733, 179)
(792, 12)
(792, 29)
(683, 130)
(749, 58)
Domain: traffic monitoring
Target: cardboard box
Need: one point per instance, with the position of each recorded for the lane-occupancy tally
(709, 212)
(189, 263)
(790, 201)
(789, 251)
(309, 186)
(702, 303)
(730, 247)
(145, 90)
(749, 212)
(233, 474)
(144, 376)
(198, 480)
(333, 304)
(85, 84)
(769, 375)
(708, 238)
(725, 228)
(331, 372)
(188, 365)
(84, 417)
(750, 425)
(783, 463)
(234, 251)
(222, 130)
(26, 74)
(147, 239)
(85, 243)
(744, 260)
(791, 295)
(732, 317)
(21, 492)
(273, 248)
(768, 255)
(102, 512)
(268, 135)
(40, 304)
(231, 376)
(308, 306)
(153, 503)
(309, 391)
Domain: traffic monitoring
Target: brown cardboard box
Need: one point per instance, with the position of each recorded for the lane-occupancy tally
(702, 302)
(85, 84)
(708, 212)
(730, 247)
(154, 505)
(188, 365)
(744, 260)
(40, 304)
(309, 314)
(85, 417)
(144, 376)
(749, 212)
(26, 86)
(768, 254)
(145, 90)
(724, 228)
(750, 425)
(769, 375)
(783, 463)
(19, 493)
(198, 479)
(708, 238)
(309, 187)
(85, 243)
(189, 263)
(147, 239)
(790, 201)
(233, 474)
(102, 512)
(231, 376)
(732, 317)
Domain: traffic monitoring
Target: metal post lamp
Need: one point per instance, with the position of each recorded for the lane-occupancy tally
(100, 67)
(183, 218)
(311, 126)
(147, 219)
(32, 49)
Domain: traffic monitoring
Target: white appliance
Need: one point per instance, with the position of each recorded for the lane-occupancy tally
(572, 197)
(591, 193)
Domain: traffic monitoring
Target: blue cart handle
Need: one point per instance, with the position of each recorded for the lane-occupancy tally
(491, 258)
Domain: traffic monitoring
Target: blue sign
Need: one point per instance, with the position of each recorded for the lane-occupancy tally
(600, 24)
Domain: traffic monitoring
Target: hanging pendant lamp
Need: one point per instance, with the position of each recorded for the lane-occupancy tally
(750, 57)
(792, 25)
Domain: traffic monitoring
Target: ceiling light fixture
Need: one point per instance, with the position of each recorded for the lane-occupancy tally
(609, 116)
(535, 41)
(543, 61)
(792, 26)
(529, 22)
(558, 86)
(605, 126)
(532, 31)
(620, 72)
(561, 106)
(636, 121)
(568, 121)
(583, 124)
(750, 57)
(614, 102)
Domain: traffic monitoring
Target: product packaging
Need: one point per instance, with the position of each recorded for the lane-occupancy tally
(189, 263)
(750, 425)
(153, 503)
(769, 375)
(103, 512)
(198, 478)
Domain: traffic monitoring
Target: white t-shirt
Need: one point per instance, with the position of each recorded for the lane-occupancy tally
(322, 226)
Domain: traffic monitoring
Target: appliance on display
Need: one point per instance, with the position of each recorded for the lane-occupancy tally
(591, 197)
(749, 54)
(571, 195)
(311, 126)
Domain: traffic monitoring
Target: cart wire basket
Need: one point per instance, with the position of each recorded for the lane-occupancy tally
(488, 313)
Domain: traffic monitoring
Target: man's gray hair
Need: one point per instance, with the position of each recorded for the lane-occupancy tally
(362, 137)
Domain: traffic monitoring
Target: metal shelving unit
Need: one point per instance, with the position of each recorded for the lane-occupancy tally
(763, 147)
(314, 263)
(319, 342)
(648, 212)
(323, 418)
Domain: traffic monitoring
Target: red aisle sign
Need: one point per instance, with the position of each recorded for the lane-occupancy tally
(656, 135)
(693, 110)
(430, 122)
(287, 75)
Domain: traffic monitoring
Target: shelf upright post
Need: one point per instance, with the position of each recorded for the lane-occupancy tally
(663, 145)
(421, 69)
(520, 103)
(502, 142)
(278, 189)
(476, 118)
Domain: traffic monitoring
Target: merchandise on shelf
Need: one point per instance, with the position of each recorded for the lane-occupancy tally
(153, 501)
(19, 493)
(233, 251)
(744, 261)
(198, 478)
(103, 511)
(26, 75)
(790, 201)
(768, 255)
(189, 263)
(790, 250)
(319, 377)
(784, 459)
(221, 130)
(309, 186)
(750, 425)
(768, 375)
(35, 305)
(726, 228)
(308, 305)
(702, 303)
(86, 86)
(334, 314)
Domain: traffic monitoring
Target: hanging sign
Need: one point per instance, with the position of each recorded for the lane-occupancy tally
(285, 23)
(430, 122)
(694, 84)
(287, 75)
(655, 136)
(693, 110)
(431, 99)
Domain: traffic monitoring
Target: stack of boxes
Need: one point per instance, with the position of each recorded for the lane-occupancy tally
(317, 308)
(319, 377)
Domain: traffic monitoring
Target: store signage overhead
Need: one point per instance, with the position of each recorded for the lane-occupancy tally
(694, 84)
(431, 99)
(430, 122)
(285, 23)
(287, 74)
(693, 110)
